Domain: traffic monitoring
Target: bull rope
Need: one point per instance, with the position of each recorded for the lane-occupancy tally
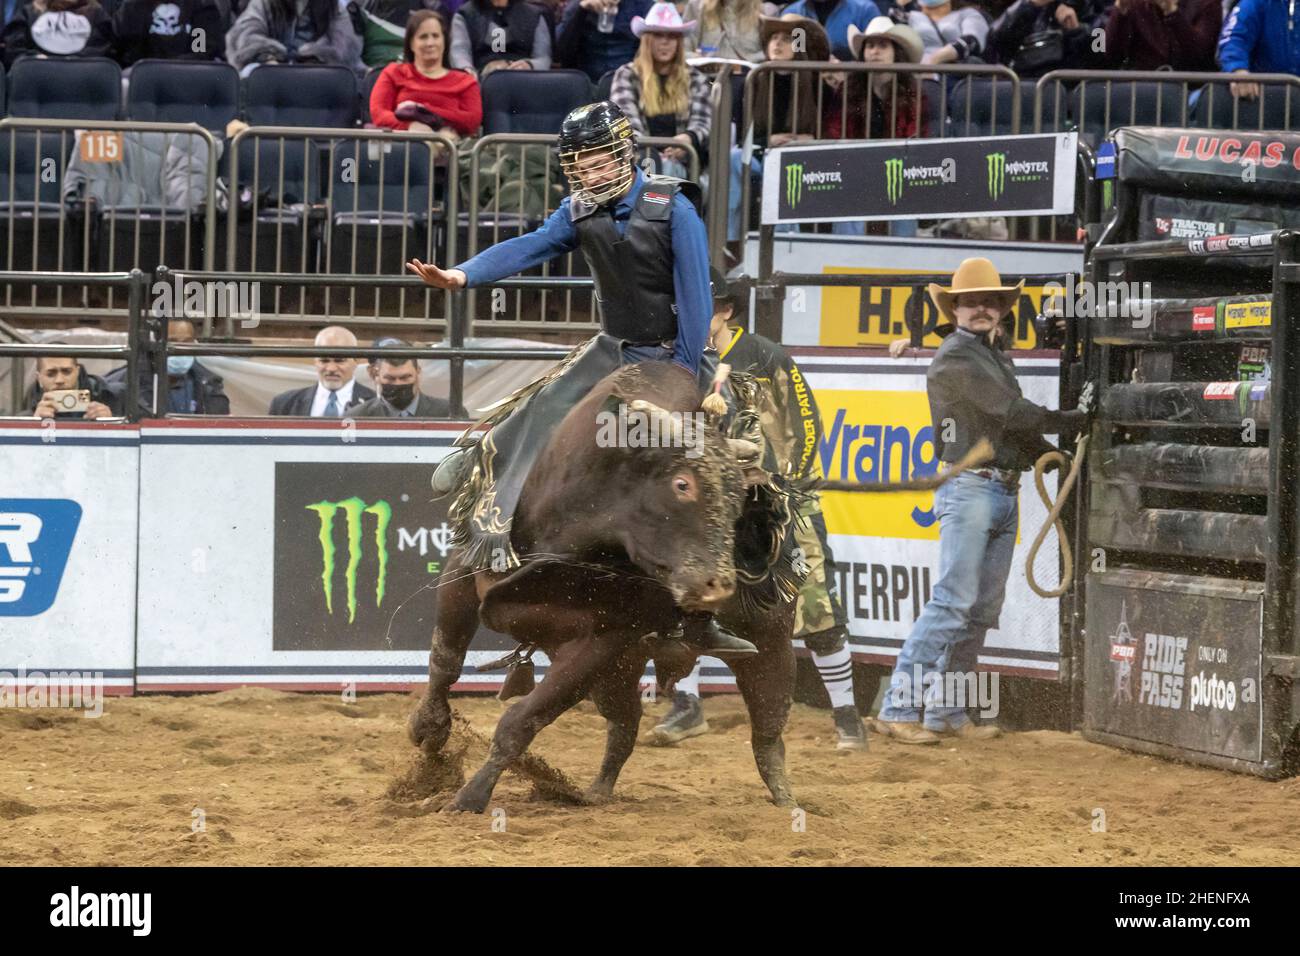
(1053, 519)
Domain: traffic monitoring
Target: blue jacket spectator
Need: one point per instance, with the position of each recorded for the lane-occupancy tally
(581, 44)
(1257, 37)
(835, 16)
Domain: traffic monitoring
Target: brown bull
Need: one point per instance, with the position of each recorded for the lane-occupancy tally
(616, 542)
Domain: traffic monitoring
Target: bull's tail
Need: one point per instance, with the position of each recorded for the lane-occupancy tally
(981, 453)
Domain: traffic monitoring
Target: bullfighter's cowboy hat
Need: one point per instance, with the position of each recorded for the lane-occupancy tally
(974, 275)
(816, 43)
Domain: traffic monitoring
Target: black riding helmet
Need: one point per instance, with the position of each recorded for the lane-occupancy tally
(592, 131)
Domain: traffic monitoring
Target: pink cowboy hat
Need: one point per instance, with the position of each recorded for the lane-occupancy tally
(662, 18)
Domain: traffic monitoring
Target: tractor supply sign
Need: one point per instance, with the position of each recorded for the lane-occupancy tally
(909, 179)
(352, 542)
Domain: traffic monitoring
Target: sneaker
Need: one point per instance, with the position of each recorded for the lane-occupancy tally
(848, 728)
(451, 472)
(686, 719)
(973, 731)
(905, 732)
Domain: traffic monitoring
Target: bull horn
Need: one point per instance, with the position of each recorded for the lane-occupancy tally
(668, 423)
(744, 451)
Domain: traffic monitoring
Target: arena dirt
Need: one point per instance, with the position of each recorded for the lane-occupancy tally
(306, 779)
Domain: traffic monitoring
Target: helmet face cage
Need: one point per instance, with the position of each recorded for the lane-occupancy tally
(596, 161)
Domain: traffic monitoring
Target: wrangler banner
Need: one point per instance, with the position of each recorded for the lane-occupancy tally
(931, 179)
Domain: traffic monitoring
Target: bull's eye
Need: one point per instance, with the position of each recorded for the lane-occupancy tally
(684, 487)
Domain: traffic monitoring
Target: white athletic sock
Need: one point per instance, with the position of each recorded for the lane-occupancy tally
(837, 674)
(690, 684)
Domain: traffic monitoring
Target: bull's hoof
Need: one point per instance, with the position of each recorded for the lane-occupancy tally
(466, 803)
(599, 793)
(783, 797)
(428, 731)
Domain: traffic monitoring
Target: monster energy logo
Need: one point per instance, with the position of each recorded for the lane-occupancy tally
(353, 508)
(997, 163)
(793, 184)
(894, 180)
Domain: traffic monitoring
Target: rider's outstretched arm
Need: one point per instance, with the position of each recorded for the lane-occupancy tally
(690, 284)
(553, 238)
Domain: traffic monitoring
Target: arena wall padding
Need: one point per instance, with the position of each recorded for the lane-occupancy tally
(1174, 531)
(1239, 471)
(1186, 403)
(1179, 320)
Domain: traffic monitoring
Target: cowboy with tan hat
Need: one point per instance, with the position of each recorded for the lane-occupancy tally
(973, 395)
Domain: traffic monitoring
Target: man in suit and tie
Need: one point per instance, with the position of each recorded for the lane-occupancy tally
(335, 393)
(399, 389)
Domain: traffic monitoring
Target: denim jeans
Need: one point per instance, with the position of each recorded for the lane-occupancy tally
(977, 535)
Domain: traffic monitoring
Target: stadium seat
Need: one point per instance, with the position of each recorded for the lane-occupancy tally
(531, 101)
(76, 88)
(367, 86)
(1099, 108)
(604, 85)
(283, 176)
(183, 91)
(1217, 108)
(380, 206)
(990, 111)
(30, 202)
(300, 95)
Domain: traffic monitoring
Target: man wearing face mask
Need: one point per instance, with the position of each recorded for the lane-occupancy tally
(973, 395)
(192, 388)
(399, 395)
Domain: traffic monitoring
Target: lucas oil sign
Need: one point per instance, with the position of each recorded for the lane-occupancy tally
(906, 179)
(1175, 660)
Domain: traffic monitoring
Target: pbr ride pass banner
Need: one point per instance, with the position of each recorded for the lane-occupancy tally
(930, 179)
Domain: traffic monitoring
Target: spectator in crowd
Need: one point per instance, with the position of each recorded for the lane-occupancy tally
(596, 36)
(166, 30)
(57, 28)
(835, 17)
(421, 93)
(790, 99)
(659, 94)
(1150, 34)
(335, 391)
(947, 35)
(1035, 36)
(293, 31)
(192, 388)
(882, 105)
(381, 24)
(55, 374)
(1260, 36)
(727, 28)
(489, 35)
(399, 389)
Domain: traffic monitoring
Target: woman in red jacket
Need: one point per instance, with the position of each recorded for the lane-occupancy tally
(422, 94)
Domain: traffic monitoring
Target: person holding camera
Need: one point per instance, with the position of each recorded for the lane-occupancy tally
(1034, 37)
(63, 389)
(422, 93)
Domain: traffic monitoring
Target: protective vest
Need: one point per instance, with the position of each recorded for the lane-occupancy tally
(633, 273)
(521, 26)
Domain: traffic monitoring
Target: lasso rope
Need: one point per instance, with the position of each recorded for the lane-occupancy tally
(1053, 519)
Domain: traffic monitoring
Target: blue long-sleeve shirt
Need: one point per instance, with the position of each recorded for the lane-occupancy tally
(558, 236)
(1256, 37)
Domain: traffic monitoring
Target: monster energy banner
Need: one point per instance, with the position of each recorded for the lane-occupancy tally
(931, 179)
(354, 543)
(1175, 660)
